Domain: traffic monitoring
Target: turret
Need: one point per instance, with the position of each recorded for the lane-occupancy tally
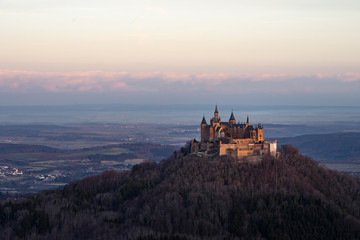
(204, 130)
(216, 114)
(203, 121)
(247, 120)
(259, 134)
(232, 120)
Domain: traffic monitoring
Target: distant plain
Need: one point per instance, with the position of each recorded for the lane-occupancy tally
(88, 139)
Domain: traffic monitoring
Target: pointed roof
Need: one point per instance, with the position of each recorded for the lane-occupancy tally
(232, 116)
(203, 120)
(247, 119)
(216, 110)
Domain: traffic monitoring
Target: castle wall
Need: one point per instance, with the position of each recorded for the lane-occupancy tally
(238, 145)
(195, 147)
(244, 147)
(211, 134)
(224, 147)
(201, 146)
(273, 148)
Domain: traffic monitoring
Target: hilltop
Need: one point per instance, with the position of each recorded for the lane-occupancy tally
(187, 197)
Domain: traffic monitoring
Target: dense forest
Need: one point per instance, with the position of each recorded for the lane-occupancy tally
(189, 197)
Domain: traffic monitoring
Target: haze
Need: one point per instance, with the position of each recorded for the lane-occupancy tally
(248, 52)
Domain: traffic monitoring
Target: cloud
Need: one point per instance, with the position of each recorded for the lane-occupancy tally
(272, 77)
(155, 82)
(349, 77)
(91, 81)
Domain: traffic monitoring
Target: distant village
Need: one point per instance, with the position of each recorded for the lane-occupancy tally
(8, 171)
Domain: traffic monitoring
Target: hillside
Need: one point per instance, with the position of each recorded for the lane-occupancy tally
(186, 197)
(6, 148)
(344, 146)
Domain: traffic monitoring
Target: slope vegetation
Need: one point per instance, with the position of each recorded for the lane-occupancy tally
(187, 197)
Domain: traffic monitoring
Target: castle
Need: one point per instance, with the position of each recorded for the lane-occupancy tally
(238, 140)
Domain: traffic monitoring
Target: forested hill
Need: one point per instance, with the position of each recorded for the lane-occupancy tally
(19, 148)
(290, 197)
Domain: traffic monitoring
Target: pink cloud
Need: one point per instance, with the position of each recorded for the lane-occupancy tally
(175, 76)
(324, 75)
(272, 77)
(120, 85)
(61, 82)
(349, 77)
(107, 81)
(144, 75)
(216, 76)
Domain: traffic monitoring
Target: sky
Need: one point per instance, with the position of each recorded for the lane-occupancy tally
(279, 52)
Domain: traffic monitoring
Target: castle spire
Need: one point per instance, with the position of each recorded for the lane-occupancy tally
(247, 119)
(216, 114)
(232, 118)
(203, 120)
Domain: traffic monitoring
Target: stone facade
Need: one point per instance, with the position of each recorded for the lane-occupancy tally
(239, 140)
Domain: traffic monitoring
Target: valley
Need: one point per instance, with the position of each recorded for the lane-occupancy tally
(32, 168)
(36, 157)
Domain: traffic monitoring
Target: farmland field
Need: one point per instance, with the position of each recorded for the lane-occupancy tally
(34, 169)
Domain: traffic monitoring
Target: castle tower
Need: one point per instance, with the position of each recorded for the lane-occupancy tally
(216, 114)
(232, 120)
(260, 133)
(247, 120)
(203, 126)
